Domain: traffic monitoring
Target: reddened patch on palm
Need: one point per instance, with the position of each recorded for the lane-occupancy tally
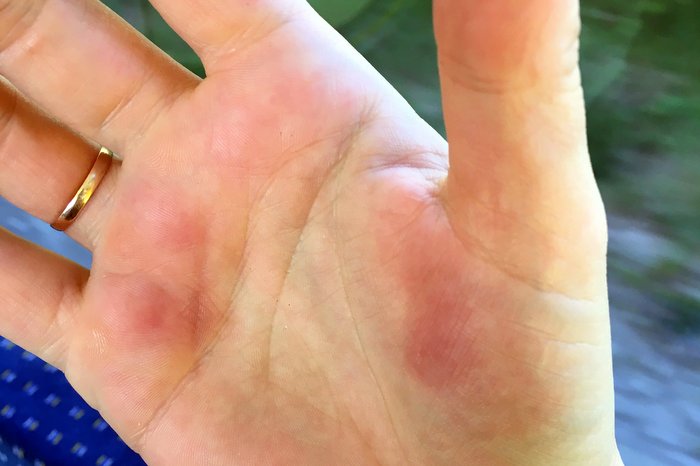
(462, 341)
(438, 294)
(156, 278)
(156, 316)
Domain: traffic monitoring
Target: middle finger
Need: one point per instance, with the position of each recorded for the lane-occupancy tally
(87, 67)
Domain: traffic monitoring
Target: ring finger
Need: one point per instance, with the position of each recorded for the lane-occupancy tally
(43, 163)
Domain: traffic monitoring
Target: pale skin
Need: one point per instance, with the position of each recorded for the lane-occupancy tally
(290, 266)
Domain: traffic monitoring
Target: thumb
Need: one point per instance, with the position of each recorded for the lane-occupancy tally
(521, 188)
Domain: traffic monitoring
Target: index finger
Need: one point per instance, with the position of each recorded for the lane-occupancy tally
(218, 29)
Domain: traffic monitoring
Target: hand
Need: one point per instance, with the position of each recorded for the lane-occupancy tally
(290, 266)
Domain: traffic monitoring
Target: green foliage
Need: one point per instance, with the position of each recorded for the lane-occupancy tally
(140, 14)
(641, 74)
(396, 36)
(339, 12)
(667, 282)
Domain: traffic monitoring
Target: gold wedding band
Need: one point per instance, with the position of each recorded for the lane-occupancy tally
(85, 192)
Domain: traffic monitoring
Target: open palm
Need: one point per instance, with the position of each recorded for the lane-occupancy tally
(290, 266)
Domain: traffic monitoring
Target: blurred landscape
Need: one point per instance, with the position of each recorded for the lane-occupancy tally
(641, 70)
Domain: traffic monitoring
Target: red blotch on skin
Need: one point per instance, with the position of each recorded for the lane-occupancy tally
(455, 305)
(153, 222)
(440, 341)
(439, 292)
(155, 269)
(141, 311)
(459, 341)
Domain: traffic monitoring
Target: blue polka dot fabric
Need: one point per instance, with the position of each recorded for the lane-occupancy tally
(44, 422)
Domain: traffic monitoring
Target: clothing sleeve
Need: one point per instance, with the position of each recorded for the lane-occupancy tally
(12, 456)
(44, 422)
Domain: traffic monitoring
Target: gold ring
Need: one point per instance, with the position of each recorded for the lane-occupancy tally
(86, 190)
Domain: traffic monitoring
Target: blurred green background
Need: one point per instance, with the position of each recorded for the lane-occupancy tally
(641, 70)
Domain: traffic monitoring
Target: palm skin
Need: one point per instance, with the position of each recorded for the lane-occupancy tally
(287, 273)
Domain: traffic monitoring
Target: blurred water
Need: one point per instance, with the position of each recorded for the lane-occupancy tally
(657, 383)
(657, 369)
(657, 372)
(40, 233)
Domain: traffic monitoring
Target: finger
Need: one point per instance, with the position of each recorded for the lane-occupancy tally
(217, 29)
(39, 295)
(42, 165)
(520, 186)
(87, 67)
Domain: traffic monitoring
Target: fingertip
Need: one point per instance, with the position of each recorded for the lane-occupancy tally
(508, 43)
